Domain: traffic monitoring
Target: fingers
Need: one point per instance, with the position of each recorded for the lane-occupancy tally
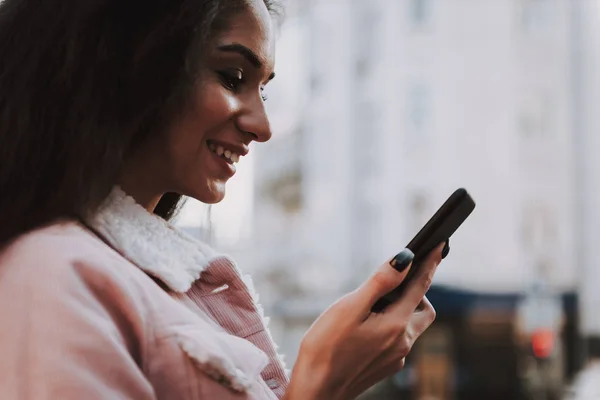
(401, 338)
(422, 318)
(384, 280)
(419, 285)
(404, 332)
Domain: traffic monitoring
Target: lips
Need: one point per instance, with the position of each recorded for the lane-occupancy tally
(226, 154)
(229, 152)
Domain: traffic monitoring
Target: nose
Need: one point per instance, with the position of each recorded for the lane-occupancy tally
(254, 121)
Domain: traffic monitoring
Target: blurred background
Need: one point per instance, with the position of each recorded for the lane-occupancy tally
(380, 110)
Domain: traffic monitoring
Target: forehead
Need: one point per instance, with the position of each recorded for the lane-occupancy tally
(254, 29)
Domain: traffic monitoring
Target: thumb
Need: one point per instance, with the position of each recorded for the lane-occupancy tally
(384, 280)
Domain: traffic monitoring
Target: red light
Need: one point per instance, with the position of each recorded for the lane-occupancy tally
(542, 343)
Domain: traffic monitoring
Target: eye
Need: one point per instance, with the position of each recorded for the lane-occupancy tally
(232, 79)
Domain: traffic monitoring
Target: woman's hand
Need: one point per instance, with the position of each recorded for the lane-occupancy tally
(349, 349)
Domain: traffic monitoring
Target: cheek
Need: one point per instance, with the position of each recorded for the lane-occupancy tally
(214, 106)
(210, 113)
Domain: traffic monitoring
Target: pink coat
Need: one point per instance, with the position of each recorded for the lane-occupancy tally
(136, 310)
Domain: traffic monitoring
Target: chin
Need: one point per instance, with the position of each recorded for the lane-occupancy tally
(213, 199)
(212, 193)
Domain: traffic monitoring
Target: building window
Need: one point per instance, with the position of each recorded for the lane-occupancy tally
(366, 151)
(535, 16)
(366, 162)
(315, 82)
(366, 233)
(535, 117)
(418, 212)
(539, 229)
(418, 109)
(367, 19)
(420, 12)
(319, 33)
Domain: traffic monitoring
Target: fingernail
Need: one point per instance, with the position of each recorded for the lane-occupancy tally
(446, 249)
(402, 260)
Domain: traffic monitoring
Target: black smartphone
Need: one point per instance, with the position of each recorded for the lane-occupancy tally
(437, 230)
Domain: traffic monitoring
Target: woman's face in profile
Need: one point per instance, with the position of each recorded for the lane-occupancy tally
(198, 154)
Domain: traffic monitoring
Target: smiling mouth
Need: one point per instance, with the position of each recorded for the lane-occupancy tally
(228, 155)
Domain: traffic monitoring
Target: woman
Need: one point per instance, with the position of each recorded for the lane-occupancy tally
(110, 111)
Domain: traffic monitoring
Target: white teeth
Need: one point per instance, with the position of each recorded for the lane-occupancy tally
(219, 150)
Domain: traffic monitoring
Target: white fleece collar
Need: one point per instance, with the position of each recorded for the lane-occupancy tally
(150, 242)
(160, 249)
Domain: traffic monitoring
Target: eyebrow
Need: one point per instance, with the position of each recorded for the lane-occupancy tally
(245, 52)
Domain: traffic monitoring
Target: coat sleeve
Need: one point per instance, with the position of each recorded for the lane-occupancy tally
(68, 330)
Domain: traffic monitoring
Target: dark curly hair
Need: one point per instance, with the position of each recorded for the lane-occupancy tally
(82, 83)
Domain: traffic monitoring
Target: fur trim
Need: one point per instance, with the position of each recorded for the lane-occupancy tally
(237, 371)
(163, 251)
(151, 243)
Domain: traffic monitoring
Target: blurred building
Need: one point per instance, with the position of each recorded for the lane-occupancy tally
(586, 108)
(386, 108)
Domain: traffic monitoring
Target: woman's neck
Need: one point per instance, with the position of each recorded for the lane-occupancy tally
(141, 193)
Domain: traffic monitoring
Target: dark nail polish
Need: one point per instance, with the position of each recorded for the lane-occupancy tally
(402, 260)
(446, 249)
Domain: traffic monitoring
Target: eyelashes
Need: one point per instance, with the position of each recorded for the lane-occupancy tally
(234, 81)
